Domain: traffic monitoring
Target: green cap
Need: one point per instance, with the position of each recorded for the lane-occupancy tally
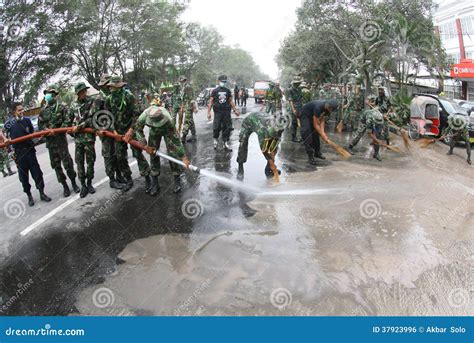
(79, 87)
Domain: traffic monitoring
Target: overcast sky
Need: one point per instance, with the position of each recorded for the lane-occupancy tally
(257, 26)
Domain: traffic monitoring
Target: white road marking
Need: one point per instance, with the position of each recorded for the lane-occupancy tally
(61, 207)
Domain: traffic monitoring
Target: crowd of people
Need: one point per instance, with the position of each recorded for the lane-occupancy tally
(170, 117)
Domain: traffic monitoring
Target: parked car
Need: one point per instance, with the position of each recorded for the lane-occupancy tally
(448, 108)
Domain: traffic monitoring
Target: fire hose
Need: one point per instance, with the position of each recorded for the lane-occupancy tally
(110, 134)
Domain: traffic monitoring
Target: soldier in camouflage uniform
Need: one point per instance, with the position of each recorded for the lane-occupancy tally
(371, 119)
(123, 106)
(81, 117)
(457, 130)
(188, 108)
(161, 125)
(325, 93)
(355, 105)
(295, 98)
(270, 99)
(269, 129)
(176, 101)
(4, 162)
(306, 93)
(383, 103)
(55, 115)
(100, 110)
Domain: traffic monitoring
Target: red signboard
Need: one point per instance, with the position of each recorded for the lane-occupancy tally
(462, 70)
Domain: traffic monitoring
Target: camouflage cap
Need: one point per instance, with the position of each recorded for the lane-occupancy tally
(79, 87)
(116, 81)
(104, 79)
(297, 79)
(52, 88)
(377, 117)
(182, 78)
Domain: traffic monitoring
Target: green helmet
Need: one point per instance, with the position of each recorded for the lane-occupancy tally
(79, 87)
(377, 117)
(52, 88)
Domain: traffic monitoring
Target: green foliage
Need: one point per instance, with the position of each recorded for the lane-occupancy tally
(401, 106)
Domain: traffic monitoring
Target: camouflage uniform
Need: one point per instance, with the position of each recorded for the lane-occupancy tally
(306, 95)
(270, 100)
(383, 103)
(53, 116)
(81, 115)
(4, 163)
(176, 101)
(366, 122)
(355, 106)
(295, 96)
(278, 97)
(123, 106)
(268, 137)
(456, 130)
(187, 98)
(161, 126)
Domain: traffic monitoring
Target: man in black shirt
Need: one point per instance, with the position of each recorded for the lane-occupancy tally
(222, 104)
(313, 117)
(25, 153)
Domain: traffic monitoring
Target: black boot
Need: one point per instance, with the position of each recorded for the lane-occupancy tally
(44, 197)
(31, 202)
(115, 184)
(66, 191)
(240, 172)
(10, 172)
(376, 153)
(349, 148)
(128, 185)
(155, 186)
(468, 158)
(319, 155)
(4, 173)
(119, 178)
(450, 152)
(84, 190)
(90, 188)
(147, 184)
(177, 184)
(74, 186)
(311, 159)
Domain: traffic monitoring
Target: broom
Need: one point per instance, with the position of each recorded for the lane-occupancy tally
(425, 142)
(339, 149)
(403, 134)
(339, 127)
(273, 167)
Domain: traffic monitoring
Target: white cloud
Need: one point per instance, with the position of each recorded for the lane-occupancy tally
(257, 26)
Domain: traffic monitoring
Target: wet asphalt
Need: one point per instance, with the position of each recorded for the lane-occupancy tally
(55, 269)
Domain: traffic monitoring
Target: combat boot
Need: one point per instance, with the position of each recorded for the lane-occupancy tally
(4, 173)
(115, 184)
(319, 155)
(147, 184)
(31, 202)
(74, 186)
(376, 153)
(311, 159)
(468, 159)
(90, 188)
(43, 196)
(155, 186)
(240, 172)
(227, 146)
(66, 191)
(128, 185)
(84, 190)
(10, 172)
(349, 148)
(177, 184)
(119, 178)
(450, 152)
